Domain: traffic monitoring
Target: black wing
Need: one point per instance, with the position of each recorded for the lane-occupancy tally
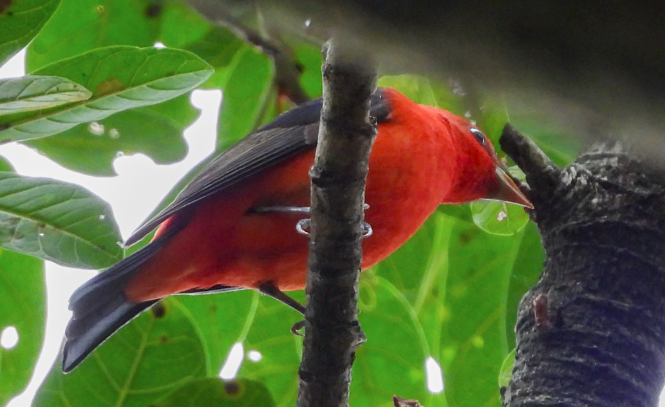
(290, 134)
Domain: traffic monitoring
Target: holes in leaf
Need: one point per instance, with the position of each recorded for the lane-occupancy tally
(233, 362)
(231, 388)
(159, 310)
(9, 337)
(254, 355)
(434, 376)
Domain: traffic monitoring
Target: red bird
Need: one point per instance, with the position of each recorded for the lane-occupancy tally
(233, 226)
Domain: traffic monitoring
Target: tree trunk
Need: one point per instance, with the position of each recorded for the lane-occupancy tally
(592, 330)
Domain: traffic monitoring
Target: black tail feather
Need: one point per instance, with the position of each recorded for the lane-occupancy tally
(100, 307)
(84, 335)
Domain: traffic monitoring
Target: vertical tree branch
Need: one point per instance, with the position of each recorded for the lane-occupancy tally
(332, 330)
(590, 332)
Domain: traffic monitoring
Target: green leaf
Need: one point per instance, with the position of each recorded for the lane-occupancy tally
(219, 48)
(23, 292)
(473, 341)
(246, 95)
(219, 328)
(552, 139)
(5, 166)
(416, 88)
(21, 20)
(214, 392)
(421, 261)
(151, 357)
(261, 324)
(310, 59)
(268, 330)
(499, 218)
(120, 78)
(152, 130)
(392, 361)
(506, 372)
(183, 26)
(57, 221)
(82, 25)
(38, 92)
(419, 270)
(424, 91)
(525, 272)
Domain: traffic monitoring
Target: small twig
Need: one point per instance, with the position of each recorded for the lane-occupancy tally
(541, 173)
(400, 402)
(332, 330)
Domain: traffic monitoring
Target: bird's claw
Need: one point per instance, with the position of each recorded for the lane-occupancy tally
(304, 225)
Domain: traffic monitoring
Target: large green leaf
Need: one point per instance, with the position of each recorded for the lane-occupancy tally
(5, 166)
(267, 330)
(20, 21)
(79, 26)
(392, 361)
(552, 139)
(223, 319)
(261, 324)
(246, 96)
(473, 333)
(218, 48)
(525, 272)
(23, 296)
(120, 78)
(57, 221)
(145, 361)
(214, 392)
(456, 277)
(183, 26)
(38, 92)
(309, 58)
(422, 90)
(419, 270)
(153, 130)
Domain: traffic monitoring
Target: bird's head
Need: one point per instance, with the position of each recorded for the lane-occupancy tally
(481, 175)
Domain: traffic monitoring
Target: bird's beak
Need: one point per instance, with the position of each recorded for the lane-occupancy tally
(507, 191)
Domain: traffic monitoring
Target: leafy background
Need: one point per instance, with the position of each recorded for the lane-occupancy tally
(97, 87)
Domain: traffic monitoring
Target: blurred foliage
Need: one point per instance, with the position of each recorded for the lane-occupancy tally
(449, 294)
(20, 21)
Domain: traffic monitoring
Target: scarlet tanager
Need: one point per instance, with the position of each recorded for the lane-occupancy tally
(233, 226)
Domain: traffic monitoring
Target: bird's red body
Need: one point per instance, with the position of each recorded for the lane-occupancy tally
(415, 165)
(213, 237)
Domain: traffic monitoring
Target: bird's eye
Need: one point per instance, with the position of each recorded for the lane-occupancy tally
(478, 135)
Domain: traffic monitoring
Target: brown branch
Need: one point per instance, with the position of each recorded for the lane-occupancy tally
(332, 330)
(541, 173)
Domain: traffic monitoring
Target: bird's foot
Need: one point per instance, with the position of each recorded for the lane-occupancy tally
(303, 225)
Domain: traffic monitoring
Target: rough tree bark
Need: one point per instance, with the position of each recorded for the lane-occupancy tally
(332, 330)
(592, 331)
